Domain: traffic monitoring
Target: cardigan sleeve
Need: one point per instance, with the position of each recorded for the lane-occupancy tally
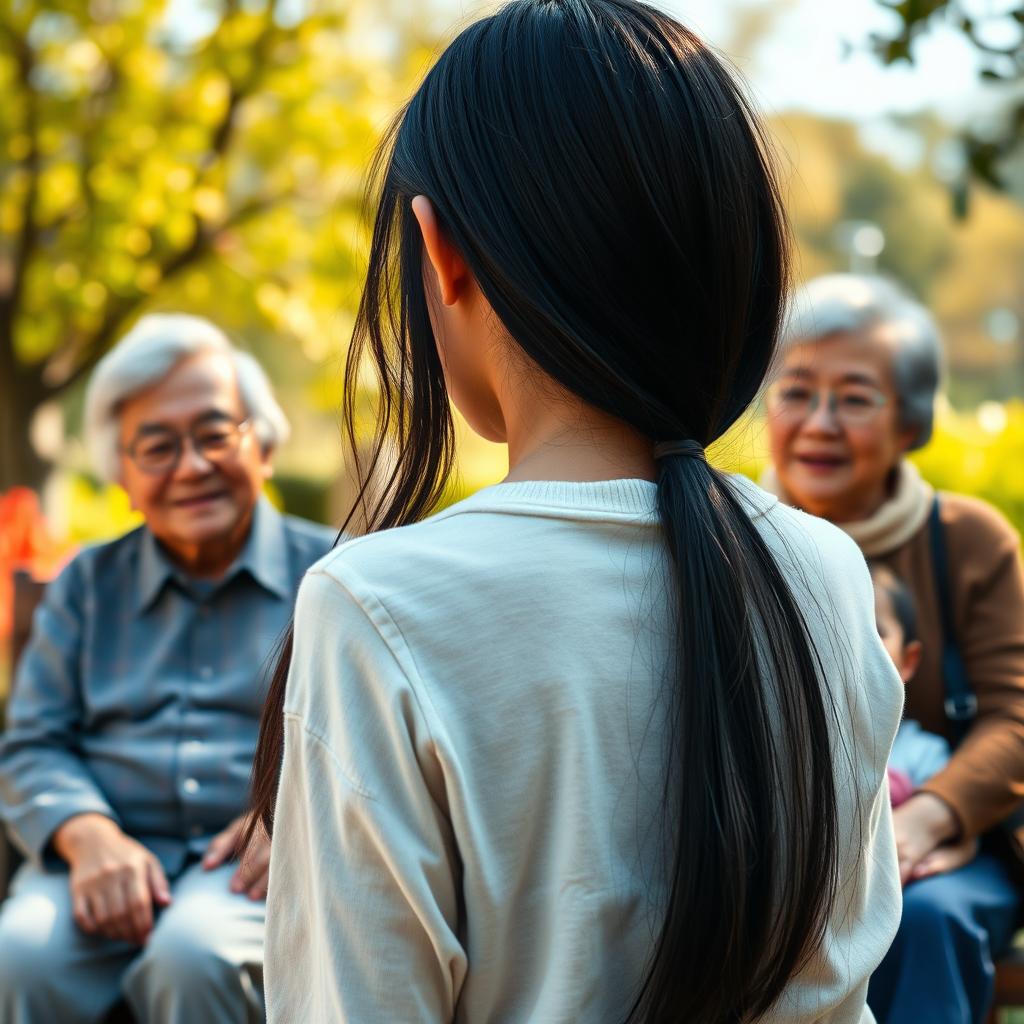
(984, 781)
(362, 914)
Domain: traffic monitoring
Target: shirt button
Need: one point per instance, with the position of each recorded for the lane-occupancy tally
(190, 786)
(206, 672)
(196, 831)
(204, 611)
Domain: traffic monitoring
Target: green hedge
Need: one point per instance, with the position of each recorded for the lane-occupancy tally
(980, 453)
(308, 497)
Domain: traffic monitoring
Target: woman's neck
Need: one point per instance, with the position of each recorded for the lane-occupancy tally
(563, 438)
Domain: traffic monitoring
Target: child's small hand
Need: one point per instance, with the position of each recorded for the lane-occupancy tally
(946, 858)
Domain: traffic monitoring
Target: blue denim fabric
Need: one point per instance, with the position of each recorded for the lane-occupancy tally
(939, 969)
(140, 691)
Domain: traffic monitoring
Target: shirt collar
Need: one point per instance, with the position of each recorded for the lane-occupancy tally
(264, 557)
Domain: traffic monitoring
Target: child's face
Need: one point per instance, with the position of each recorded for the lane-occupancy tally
(904, 656)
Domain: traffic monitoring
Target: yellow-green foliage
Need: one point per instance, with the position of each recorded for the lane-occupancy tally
(980, 453)
(97, 513)
(744, 449)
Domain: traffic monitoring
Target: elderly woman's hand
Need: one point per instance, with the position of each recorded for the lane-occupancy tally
(947, 858)
(926, 825)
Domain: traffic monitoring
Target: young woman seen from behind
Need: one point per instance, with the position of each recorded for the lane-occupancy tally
(605, 741)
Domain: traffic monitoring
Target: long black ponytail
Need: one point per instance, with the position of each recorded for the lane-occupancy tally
(602, 174)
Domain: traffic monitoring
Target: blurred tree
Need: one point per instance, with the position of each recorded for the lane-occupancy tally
(967, 271)
(155, 154)
(995, 153)
(834, 179)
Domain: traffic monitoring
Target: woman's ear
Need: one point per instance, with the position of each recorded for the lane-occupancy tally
(450, 269)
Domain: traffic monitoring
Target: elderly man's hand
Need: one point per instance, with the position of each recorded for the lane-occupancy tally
(254, 868)
(115, 880)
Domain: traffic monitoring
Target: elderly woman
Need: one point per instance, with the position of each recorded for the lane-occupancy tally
(131, 730)
(854, 394)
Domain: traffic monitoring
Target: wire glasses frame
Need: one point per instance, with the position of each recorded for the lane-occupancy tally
(157, 452)
(851, 406)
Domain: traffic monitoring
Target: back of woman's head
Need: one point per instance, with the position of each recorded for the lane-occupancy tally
(599, 171)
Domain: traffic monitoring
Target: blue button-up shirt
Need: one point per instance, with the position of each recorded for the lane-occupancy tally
(140, 691)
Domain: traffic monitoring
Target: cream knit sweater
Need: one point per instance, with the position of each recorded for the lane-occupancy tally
(469, 808)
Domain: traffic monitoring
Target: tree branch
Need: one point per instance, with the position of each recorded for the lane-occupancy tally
(28, 229)
(971, 31)
(222, 135)
(66, 368)
(253, 208)
(97, 111)
(96, 344)
(80, 355)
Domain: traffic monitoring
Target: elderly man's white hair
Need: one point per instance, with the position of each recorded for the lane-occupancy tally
(148, 352)
(855, 304)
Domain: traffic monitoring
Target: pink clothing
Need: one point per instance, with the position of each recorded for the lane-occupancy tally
(900, 786)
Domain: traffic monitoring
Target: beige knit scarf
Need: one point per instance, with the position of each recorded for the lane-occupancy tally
(893, 524)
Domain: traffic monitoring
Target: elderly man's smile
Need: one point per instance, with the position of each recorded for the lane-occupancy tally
(200, 501)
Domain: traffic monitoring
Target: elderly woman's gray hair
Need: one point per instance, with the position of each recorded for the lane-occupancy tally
(857, 304)
(147, 353)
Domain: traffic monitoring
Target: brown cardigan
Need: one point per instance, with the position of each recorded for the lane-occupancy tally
(984, 781)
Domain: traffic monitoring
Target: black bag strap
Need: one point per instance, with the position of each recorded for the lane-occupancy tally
(960, 703)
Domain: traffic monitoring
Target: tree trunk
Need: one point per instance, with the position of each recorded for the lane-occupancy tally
(21, 393)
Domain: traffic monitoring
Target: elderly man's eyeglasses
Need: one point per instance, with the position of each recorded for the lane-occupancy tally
(850, 405)
(158, 450)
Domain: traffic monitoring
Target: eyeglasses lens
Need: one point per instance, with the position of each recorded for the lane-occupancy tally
(850, 406)
(159, 452)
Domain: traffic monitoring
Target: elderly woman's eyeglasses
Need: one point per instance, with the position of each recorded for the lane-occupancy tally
(850, 405)
(158, 450)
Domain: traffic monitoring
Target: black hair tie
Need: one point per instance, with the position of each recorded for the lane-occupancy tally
(688, 449)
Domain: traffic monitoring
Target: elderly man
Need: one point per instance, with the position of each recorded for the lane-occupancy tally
(124, 769)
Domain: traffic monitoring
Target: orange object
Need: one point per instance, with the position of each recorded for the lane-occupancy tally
(27, 543)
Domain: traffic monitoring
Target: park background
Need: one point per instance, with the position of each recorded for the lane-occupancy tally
(209, 157)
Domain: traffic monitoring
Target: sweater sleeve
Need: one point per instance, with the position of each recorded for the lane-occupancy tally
(984, 781)
(362, 914)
